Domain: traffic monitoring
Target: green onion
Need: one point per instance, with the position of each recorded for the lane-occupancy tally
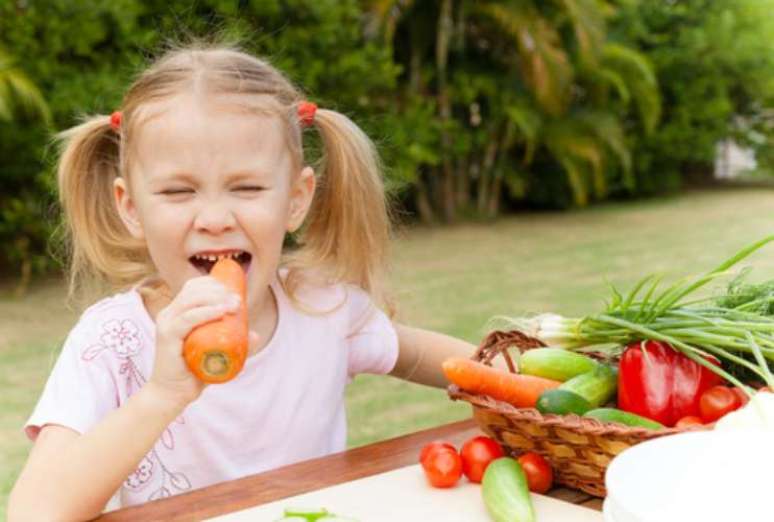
(738, 328)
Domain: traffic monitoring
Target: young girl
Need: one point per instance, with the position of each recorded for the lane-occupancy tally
(205, 160)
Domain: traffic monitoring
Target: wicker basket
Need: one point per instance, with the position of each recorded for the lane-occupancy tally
(578, 448)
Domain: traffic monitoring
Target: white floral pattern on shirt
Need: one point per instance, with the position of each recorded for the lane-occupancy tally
(122, 339)
(141, 475)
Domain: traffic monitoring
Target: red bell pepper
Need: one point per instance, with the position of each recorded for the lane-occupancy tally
(660, 383)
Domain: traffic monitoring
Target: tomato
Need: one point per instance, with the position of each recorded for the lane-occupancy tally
(741, 395)
(716, 402)
(476, 455)
(443, 467)
(435, 445)
(689, 420)
(540, 477)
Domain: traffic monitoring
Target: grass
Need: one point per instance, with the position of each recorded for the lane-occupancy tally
(451, 280)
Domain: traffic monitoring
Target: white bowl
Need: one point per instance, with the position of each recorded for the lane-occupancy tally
(700, 476)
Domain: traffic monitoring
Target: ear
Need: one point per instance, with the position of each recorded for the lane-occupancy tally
(126, 208)
(301, 194)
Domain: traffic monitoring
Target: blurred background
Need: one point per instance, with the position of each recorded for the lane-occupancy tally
(537, 150)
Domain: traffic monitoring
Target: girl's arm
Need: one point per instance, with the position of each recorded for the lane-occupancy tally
(423, 351)
(71, 477)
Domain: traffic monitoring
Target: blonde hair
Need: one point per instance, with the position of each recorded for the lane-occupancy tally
(346, 234)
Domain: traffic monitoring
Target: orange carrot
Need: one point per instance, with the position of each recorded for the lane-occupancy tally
(519, 390)
(216, 351)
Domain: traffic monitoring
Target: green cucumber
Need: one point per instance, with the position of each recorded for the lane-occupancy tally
(505, 492)
(581, 393)
(562, 402)
(623, 417)
(555, 363)
(312, 515)
(597, 386)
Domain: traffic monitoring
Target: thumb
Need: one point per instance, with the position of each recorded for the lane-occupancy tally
(252, 343)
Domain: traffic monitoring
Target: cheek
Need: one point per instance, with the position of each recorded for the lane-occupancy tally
(165, 223)
(164, 231)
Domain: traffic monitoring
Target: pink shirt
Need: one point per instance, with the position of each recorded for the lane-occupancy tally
(287, 404)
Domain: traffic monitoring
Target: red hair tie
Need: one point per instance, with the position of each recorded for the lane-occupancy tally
(306, 112)
(115, 120)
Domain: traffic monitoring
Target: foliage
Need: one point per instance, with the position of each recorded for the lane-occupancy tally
(476, 106)
(715, 65)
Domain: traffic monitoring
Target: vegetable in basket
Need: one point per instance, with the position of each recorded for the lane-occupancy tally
(617, 416)
(581, 393)
(555, 363)
(660, 383)
(521, 391)
(739, 332)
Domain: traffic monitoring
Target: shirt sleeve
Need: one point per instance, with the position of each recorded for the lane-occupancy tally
(81, 388)
(372, 339)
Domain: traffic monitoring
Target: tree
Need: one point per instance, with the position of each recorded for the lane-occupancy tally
(18, 94)
(19, 98)
(521, 91)
(715, 63)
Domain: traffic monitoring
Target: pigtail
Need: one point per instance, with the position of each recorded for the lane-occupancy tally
(348, 227)
(100, 249)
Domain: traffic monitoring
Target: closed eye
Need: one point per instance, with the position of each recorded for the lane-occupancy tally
(249, 188)
(171, 192)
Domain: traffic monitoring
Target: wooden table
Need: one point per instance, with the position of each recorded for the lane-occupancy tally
(311, 475)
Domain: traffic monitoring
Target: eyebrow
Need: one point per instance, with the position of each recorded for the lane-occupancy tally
(236, 176)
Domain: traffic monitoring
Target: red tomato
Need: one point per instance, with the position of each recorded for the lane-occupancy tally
(716, 402)
(540, 477)
(435, 445)
(443, 467)
(741, 395)
(476, 455)
(689, 420)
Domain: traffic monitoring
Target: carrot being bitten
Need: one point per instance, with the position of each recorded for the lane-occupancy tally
(519, 390)
(216, 351)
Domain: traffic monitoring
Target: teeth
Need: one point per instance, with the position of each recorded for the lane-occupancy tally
(213, 257)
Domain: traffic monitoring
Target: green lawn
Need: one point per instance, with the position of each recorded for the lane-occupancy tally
(453, 280)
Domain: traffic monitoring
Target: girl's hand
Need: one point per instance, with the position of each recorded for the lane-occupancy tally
(202, 299)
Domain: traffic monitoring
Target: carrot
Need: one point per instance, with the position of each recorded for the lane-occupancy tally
(521, 391)
(216, 351)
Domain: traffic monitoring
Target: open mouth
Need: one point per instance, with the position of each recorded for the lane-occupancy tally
(204, 262)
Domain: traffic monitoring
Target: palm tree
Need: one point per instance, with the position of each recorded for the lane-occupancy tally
(534, 91)
(18, 95)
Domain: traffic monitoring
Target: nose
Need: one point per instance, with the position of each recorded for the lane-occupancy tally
(214, 217)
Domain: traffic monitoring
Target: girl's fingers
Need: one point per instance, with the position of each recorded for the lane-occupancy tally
(253, 340)
(203, 291)
(182, 325)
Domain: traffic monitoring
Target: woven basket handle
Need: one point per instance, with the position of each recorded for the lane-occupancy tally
(498, 342)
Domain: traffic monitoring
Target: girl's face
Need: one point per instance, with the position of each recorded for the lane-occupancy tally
(208, 180)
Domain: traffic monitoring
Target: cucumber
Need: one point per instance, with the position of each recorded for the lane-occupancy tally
(555, 363)
(295, 514)
(505, 492)
(623, 417)
(562, 402)
(597, 386)
(310, 515)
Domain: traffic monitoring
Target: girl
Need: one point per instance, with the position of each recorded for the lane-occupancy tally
(205, 160)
